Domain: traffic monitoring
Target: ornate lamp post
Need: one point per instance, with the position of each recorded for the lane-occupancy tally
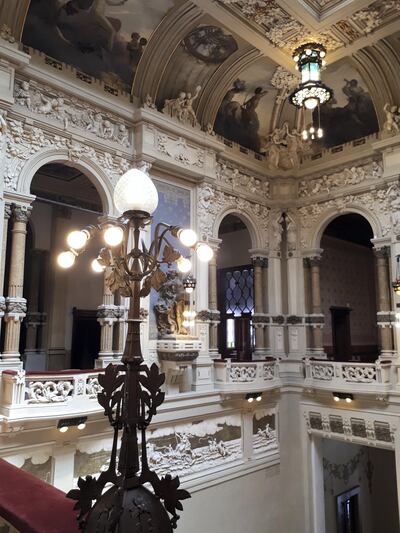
(131, 391)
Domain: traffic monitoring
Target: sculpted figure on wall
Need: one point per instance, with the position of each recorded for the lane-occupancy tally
(392, 122)
(170, 306)
(284, 148)
(181, 108)
(60, 107)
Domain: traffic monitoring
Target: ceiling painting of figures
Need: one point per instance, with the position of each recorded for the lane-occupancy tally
(246, 110)
(350, 114)
(102, 38)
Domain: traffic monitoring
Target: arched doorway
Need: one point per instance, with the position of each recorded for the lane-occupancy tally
(348, 289)
(61, 327)
(235, 290)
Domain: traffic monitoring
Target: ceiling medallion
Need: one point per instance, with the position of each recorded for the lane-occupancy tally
(311, 92)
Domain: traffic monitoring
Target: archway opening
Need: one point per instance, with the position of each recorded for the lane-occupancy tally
(348, 290)
(235, 290)
(61, 329)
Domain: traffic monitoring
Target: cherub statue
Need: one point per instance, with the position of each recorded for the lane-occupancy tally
(108, 130)
(392, 122)
(23, 95)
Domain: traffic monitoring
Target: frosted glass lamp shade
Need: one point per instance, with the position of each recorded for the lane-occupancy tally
(310, 103)
(184, 265)
(77, 239)
(113, 235)
(97, 267)
(204, 252)
(188, 237)
(66, 259)
(135, 191)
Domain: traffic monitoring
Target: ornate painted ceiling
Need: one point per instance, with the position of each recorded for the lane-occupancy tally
(229, 55)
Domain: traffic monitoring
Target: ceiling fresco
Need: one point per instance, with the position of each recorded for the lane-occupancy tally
(198, 55)
(103, 38)
(350, 114)
(218, 59)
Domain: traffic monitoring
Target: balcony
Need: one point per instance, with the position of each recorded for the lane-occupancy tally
(248, 376)
(34, 394)
(349, 376)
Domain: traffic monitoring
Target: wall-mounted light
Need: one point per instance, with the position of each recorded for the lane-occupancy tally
(254, 396)
(346, 396)
(65, 423)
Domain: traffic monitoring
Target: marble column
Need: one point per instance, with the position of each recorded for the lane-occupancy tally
(266, 304)
(213, 304)
(307, 304)
(15, 302)
(318, 319)
(7, 215)
(258, 305)
(119, 330)
(383, 301)
(107, 318)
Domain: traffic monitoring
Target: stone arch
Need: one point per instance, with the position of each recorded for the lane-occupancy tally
(333, 213)
(248, 219)
(92, 171)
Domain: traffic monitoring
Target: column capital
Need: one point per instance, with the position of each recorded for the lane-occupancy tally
(257, 261)
(382, 252)
(214, 244)
(21, 213)
(315, 261)
(7, 211)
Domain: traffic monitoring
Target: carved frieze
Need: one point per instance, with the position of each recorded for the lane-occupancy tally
(212, 202)
(180, 151)
(23, 141)
(240, 179)
(70, 111)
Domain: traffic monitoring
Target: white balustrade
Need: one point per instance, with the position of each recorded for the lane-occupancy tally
(248, 376)
(66, 392)
(349, 376)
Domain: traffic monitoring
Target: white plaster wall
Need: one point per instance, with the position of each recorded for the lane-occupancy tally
(248, 504)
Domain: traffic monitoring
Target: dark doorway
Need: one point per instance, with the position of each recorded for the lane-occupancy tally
(235, 302)
(348, 511)
(341, 334)
(85, 345)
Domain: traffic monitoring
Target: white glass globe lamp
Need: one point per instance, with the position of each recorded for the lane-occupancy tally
(184, 265)
(188, 237)
(97, 267)
(77, 239)
(311, 103)
(66, 259)
(204, 252)
(135, 191)
(113, 235)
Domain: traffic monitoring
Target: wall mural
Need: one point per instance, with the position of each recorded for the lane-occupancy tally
(245, 112)
(103, 38)
(350, 114)
(173, 208)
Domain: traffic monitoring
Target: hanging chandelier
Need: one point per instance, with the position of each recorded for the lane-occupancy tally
(311, 92)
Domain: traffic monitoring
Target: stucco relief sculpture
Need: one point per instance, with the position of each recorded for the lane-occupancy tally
(70, 111)
(170, 306)
(284, 148)
(392, 122)
(284, 81)
(240, 179)
(24, 141)
(348, 176)
(181, 108)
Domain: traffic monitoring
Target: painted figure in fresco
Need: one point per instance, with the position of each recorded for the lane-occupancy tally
(88, 35)
(354, 120)
(240, 122)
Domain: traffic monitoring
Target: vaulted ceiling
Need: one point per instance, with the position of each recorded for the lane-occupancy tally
(226, 49)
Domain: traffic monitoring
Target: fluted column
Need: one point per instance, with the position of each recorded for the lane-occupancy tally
(266, 304)
(383, 301)
(15, 303)
(317, 316)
